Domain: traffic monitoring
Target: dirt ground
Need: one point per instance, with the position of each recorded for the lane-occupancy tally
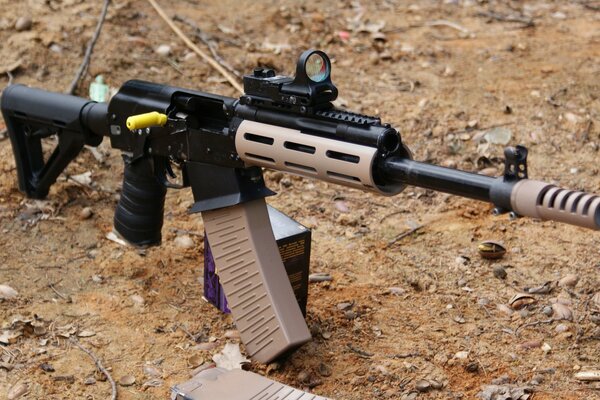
(426, 307)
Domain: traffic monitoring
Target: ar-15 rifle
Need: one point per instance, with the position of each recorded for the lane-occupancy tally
(221, 143)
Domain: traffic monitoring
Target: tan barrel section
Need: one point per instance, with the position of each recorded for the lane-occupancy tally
(221, 384)
(545, 201)
(254, 280)
(307, 155)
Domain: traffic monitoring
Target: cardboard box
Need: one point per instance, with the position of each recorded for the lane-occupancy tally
(293, 240)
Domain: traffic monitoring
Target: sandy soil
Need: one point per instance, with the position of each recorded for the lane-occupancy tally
(441, 85)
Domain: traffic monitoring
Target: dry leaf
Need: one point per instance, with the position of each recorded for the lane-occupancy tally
(230, 357)
(17, 391)
(562, 311)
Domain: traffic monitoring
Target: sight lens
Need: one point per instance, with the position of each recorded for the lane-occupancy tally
(317, 68)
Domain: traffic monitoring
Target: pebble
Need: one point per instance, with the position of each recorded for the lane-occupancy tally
(137, 300)
(86, 213)
(547, 311)
(303, 377)
(127, 380)
(23, 24)
(500, 272)
(56, 48)
(461, 355)
(350, 314)
(397, 291)
(90, 380)
(560, 328)
(163, 50)
(546, 348)
(537, 379)
(195, 361)
(423, 386)
(505, 309)
(501, 380)
(569, 280)
(472, 367)
(184, 242)
(530, 344)
(47, 367)
(559, 15)
(345, 306)
(6, 292)
(324, 370)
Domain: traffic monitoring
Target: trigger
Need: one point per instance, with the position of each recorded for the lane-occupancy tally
(169, 171)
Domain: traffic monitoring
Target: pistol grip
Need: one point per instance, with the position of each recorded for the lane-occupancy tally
(253, 277)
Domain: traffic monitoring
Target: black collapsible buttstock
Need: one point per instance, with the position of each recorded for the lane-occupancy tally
(32, 115)
(139, 214)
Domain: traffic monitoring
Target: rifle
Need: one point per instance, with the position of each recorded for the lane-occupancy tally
(222, 143)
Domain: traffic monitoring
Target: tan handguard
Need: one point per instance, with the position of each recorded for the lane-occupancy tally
(221, 384)
(254, 280)
(545, 201)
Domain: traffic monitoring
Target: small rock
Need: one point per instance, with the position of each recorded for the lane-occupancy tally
(6, 292)
(559, 15)
(569, 280)
(163, 50)
(47, 367)
(23, 24)
(137, 300)
(500, 272)
(90, 380)
(397, 291)
(546, 348)
(324, 370)
(303, 377)
(547, 311)
(423, 386)
(505, 309)
(56, 48)
(86, 213)
(184, 242)
(537, 379)
(472, 367)
(560, 328)
(345, 306)
(127, 380)
(350, 314)
(436, 385)
(461, 355)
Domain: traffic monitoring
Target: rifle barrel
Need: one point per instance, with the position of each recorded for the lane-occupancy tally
(448, 180)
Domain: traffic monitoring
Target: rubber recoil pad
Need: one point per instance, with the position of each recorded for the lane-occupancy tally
(139, 214)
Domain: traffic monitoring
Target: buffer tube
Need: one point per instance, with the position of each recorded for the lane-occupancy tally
(525, 197)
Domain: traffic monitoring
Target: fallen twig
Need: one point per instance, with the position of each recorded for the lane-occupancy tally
(450, 24)
(527, 22)
(404, 234)
(232, 80)
(88, 51)
(204, 38)
(99, 365)
(359, 352)
(535, 323)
